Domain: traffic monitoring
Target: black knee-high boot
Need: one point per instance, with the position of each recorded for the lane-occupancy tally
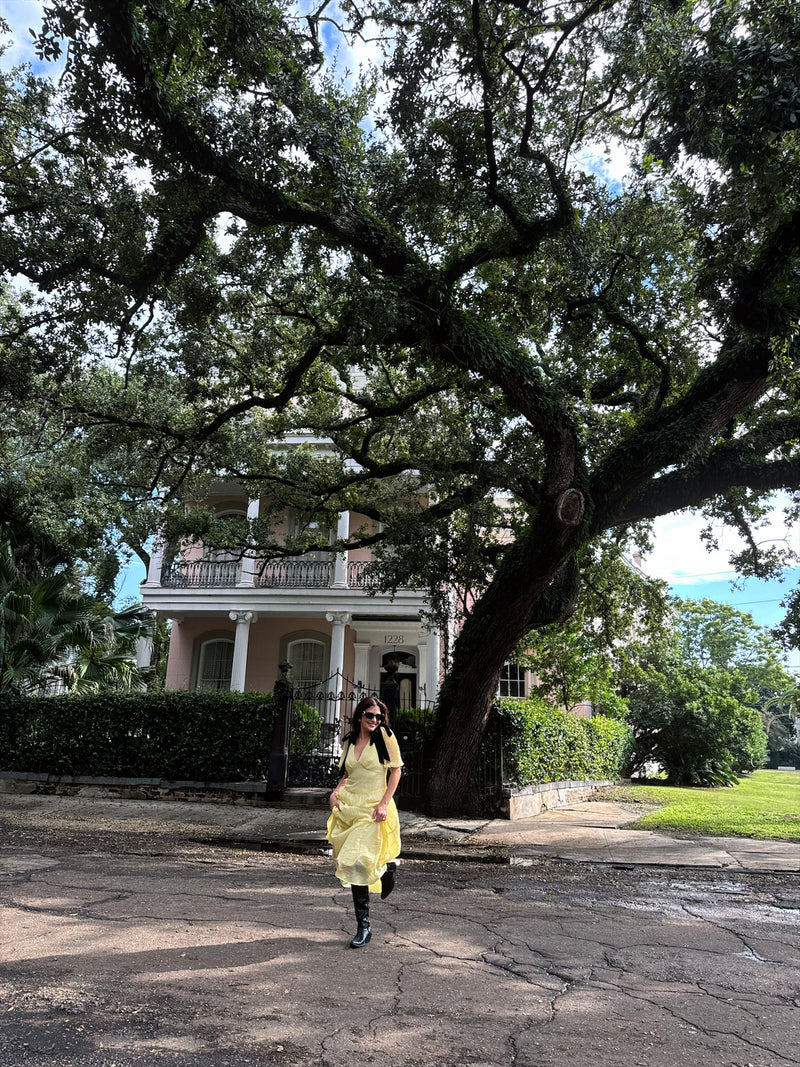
(361, 906)
(387, 880)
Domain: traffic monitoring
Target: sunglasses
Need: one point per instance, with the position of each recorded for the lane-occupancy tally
(372, 716)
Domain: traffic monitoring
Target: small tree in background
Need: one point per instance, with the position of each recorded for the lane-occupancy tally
(696, 710)
(621, 614)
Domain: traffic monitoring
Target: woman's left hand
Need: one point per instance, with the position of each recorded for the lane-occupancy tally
(379, 814)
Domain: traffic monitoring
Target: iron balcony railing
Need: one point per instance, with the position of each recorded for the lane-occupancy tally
(202, 574)
(357, 576)
(274, 574)
(295, 574)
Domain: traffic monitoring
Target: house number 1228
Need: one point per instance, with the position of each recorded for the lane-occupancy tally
(394, 639)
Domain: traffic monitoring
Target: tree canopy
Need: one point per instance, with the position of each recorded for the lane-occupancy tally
(394, 226)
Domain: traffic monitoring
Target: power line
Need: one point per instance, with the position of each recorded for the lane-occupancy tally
(747, 603)
(729, 574)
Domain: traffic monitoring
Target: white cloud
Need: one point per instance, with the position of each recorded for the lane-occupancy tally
(610, 162)
(23, 16)
(680, 557)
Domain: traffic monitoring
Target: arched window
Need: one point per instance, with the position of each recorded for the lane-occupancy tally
(215, 663)
(307, 658)
(300, 525)
(235, 519)
(229, 557)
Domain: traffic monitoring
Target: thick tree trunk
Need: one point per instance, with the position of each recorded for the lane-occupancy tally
(528, 591)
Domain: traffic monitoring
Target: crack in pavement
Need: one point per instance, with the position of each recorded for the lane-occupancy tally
(715, 1032)
(249, 959)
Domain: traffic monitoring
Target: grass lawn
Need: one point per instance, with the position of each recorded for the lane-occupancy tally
(765, 805)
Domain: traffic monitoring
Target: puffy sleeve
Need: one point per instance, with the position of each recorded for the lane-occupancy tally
(392, 747)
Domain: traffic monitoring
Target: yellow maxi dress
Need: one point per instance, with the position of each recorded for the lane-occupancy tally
(361, 846)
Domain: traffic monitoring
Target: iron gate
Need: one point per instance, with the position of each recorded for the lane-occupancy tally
(319, 719)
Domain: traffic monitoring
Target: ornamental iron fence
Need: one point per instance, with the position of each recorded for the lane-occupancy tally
(295, 574)
(201, 574)
(318, 718)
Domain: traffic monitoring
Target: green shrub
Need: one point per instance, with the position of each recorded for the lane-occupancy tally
(306, 729)
(542, 743)
(611, 742)
(748, 742)
(415, 724)
(207, 736)
(693, 724)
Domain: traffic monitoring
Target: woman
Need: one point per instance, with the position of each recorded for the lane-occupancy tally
(363, 826)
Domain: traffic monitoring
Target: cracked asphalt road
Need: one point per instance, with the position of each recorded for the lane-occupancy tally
(126, 950)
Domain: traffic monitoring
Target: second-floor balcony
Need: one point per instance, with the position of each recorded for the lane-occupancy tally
(295, 574)
(272, 574)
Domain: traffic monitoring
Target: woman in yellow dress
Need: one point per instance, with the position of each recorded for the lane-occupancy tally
(363, 827)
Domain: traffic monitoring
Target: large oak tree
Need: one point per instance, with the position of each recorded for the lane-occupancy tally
(393, 226)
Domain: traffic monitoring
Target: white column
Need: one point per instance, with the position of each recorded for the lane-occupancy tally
(240, 643)
(338, 620)
(340, 561)
(247, 575)
(422, 671)
(156, 563)
(362, 664)
(433, 653)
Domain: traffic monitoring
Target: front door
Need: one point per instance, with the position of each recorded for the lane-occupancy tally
(398, 690)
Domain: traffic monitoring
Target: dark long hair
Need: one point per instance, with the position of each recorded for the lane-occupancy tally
(377, 737)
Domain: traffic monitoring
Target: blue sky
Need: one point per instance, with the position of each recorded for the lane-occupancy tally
(681, 559)
(128, 583)
(22, 16)
(757, 597)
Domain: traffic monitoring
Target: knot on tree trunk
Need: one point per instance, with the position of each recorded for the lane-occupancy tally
(570, 507)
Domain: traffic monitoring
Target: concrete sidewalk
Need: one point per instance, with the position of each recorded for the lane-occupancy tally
(590, 832)
(595, 832)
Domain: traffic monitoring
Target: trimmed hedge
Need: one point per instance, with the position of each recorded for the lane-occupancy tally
(207, 736)
(542, 743)
(220, 736)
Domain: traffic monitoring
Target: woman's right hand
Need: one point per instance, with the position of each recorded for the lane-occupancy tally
(333, 800)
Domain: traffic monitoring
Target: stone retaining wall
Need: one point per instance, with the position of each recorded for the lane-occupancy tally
(534, 799)
(516, 803)
(250, 793)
